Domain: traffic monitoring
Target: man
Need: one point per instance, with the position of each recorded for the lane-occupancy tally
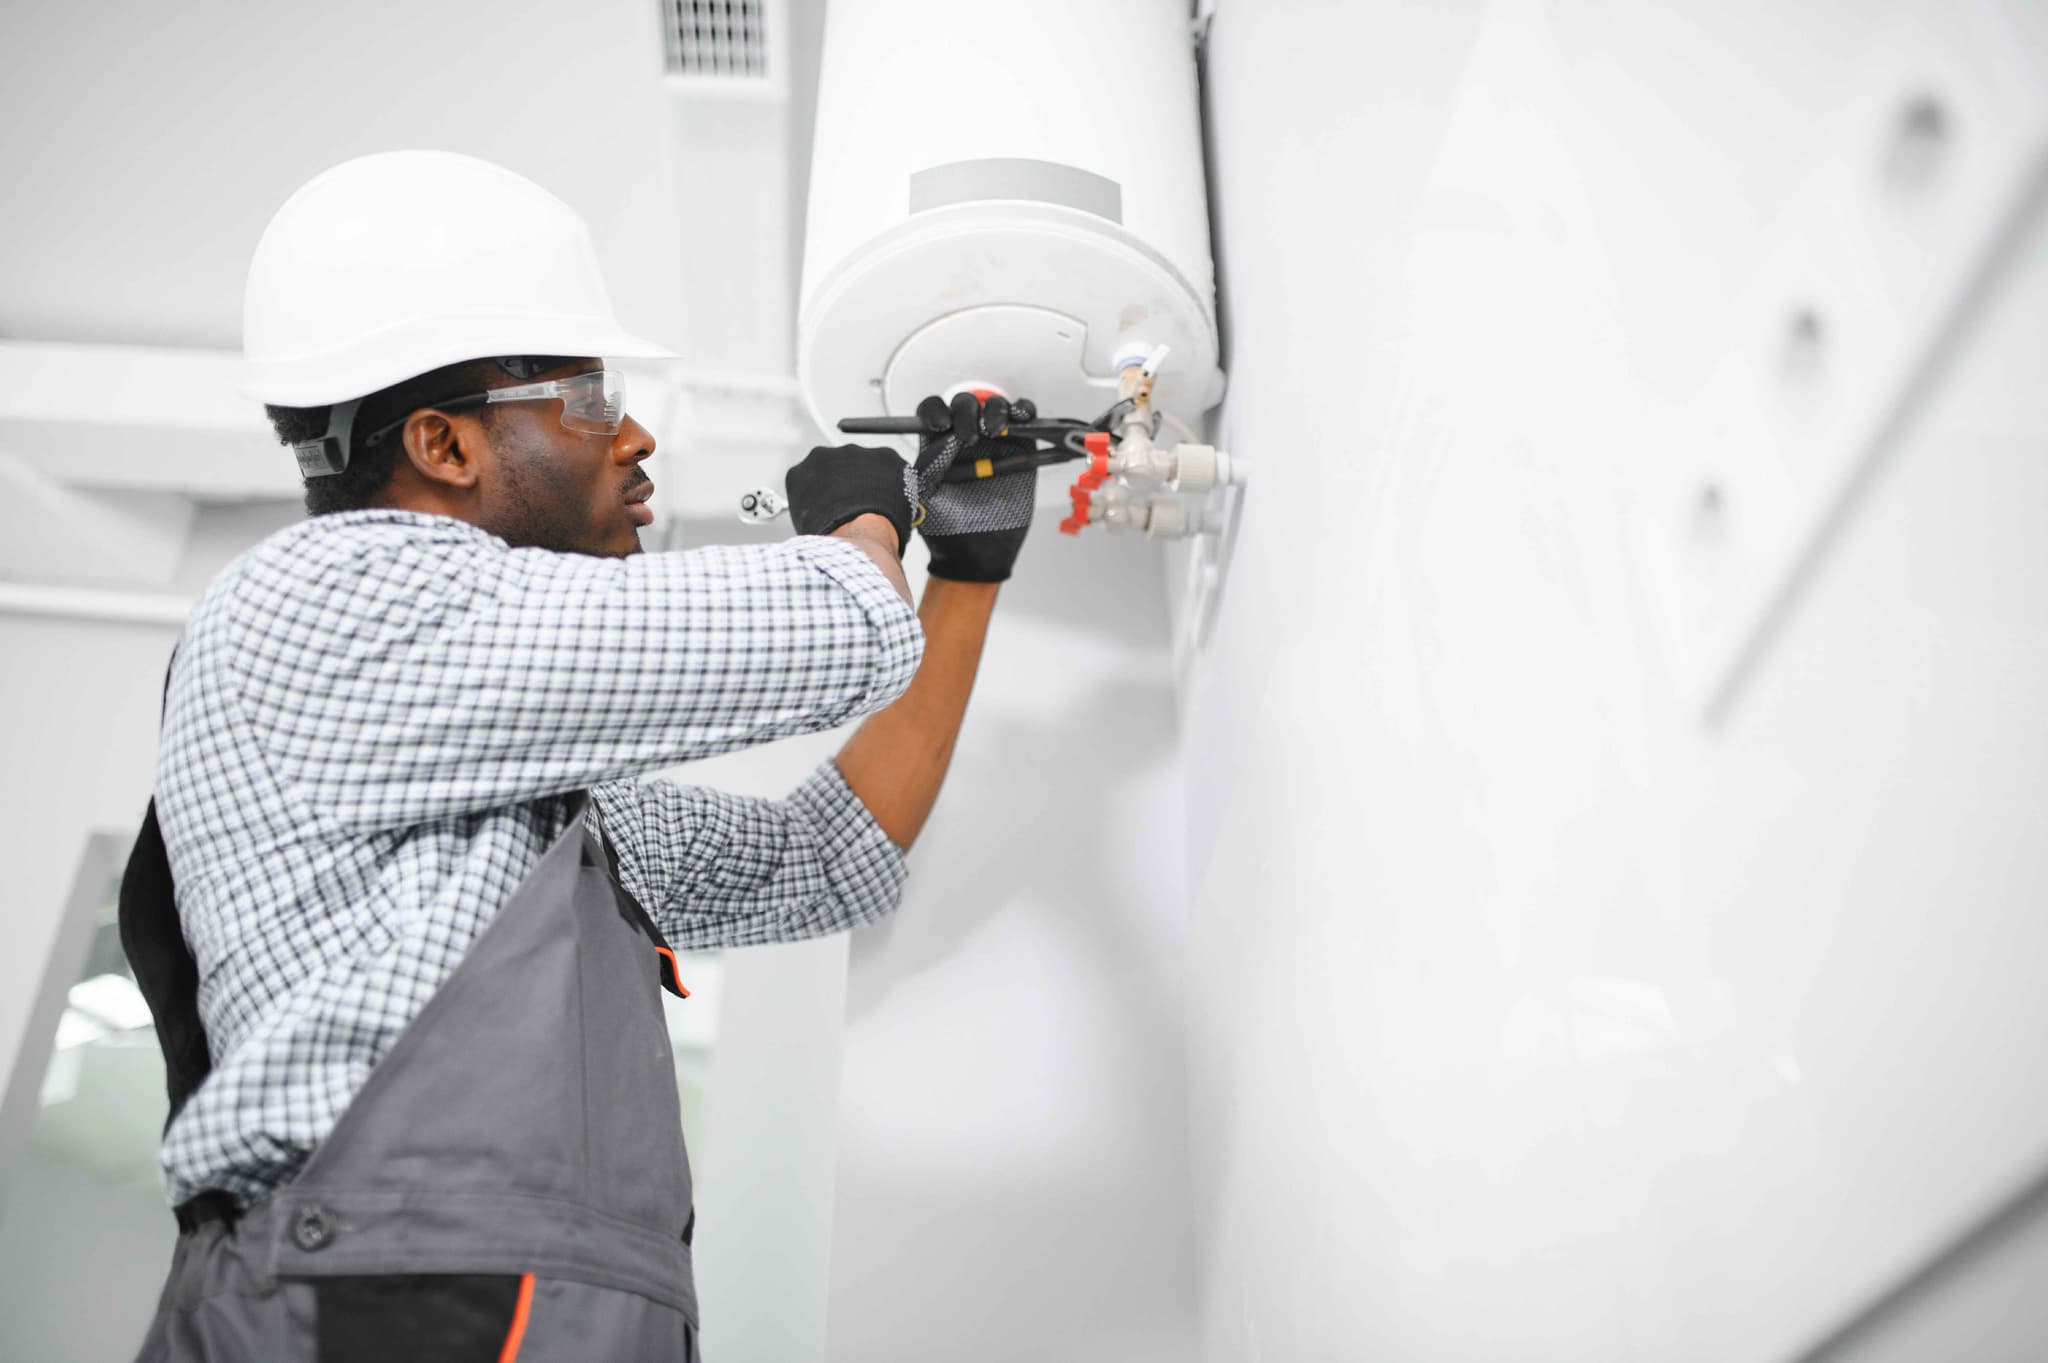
(401, 908)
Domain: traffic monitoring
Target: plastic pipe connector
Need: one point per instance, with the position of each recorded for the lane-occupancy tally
(1195, 467)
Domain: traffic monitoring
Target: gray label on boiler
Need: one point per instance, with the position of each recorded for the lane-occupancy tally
(1016, 177)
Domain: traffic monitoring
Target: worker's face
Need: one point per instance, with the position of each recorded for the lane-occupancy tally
(541, 484)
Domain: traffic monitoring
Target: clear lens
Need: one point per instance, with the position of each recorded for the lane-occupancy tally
(595, 403)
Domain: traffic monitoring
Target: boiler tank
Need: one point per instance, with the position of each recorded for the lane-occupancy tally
(1007, 196)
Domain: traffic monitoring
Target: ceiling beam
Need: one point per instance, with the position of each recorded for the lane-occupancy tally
(132, 419)
(139, 419)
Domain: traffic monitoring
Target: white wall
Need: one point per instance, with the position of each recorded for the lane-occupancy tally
(81, 1259)
(764, 1167)
(1562, 1025)
(78, 718)
(1011, 1176)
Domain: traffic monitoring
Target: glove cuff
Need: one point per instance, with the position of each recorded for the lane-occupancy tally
(987, 556)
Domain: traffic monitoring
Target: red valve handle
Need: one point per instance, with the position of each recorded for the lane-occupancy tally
(1097, 473)
(1082, 498)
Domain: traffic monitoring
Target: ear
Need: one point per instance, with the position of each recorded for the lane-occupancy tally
(442, 446)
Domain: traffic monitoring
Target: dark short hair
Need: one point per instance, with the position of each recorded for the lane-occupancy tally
(370, 464)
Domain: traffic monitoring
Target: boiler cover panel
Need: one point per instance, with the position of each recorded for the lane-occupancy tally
(974, 155)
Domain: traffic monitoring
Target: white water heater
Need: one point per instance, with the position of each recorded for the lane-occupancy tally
(1006, 196)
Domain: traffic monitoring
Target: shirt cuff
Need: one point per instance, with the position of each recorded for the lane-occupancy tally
(899, 636)
(866, 869)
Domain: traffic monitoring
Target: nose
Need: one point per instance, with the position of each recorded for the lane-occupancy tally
(633, 443)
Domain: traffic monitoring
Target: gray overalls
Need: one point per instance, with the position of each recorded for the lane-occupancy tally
(509, 1183)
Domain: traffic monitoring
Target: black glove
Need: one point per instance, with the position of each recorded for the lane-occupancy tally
(835, 483)
(974, 529)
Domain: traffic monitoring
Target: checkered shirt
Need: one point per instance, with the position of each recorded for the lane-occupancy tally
(375, 721)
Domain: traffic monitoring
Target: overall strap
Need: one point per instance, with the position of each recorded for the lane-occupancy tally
(154, 941)
(636, 914)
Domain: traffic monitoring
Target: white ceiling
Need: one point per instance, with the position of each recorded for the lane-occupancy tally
(149, 144)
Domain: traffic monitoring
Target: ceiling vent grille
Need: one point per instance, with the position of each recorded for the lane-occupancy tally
(717, 38)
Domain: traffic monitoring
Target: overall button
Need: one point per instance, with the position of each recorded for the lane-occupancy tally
(313, 1228)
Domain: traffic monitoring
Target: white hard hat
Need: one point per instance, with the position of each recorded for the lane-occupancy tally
(388, 266)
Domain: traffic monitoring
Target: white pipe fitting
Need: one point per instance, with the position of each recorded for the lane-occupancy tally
(1143, 463)
(1188, 468)
(1196, 468)
(1173, 518)
(1160, 515)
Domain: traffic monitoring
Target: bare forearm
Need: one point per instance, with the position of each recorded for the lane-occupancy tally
(877, 539)
(897, 760)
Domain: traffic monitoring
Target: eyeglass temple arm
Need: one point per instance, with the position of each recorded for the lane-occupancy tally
(451, 405)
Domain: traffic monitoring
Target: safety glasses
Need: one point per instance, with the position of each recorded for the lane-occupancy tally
(594, 403)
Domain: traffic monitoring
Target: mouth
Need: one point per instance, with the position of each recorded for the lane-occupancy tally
(636, 503)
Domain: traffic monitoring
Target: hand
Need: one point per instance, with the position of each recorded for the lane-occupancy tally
(974, 529)
(835, 483)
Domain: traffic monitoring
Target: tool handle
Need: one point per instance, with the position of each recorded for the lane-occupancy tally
(967, 470)
(908, 425)
(881, 425)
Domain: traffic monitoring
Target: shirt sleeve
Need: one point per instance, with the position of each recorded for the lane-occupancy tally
(720, 870)
(396, 678)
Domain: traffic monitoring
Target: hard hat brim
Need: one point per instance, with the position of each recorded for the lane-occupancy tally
(409, 349)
